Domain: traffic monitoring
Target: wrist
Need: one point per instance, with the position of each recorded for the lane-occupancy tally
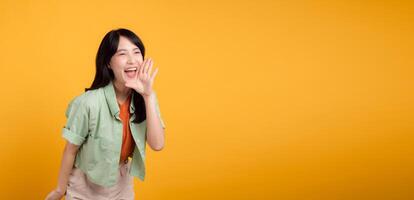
(148, 96)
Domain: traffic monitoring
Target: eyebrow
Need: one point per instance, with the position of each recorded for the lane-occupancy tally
(126, 50)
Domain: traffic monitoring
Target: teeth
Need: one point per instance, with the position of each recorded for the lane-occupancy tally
(131, 69)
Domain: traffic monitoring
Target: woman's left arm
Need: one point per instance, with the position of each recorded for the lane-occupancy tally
(155, 131)
(142, 83)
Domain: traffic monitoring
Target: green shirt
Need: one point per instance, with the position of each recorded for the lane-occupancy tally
(93, 122)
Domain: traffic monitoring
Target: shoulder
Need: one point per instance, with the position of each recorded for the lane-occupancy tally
(87, 100)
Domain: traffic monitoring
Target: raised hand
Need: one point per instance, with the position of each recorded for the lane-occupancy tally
(143, 80)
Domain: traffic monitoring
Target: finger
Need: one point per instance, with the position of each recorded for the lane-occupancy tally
(129, 84)
(137, 72)
(140, 67)
(148, 69)
(147, 66)
(143, 66)
(154, 74)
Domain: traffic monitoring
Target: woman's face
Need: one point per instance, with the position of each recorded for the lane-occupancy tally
(126, 60)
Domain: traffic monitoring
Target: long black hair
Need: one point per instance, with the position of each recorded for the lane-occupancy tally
(103, 75)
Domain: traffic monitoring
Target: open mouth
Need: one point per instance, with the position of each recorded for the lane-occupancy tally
(130, 72)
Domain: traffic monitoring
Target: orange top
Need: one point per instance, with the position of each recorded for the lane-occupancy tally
(128, 143)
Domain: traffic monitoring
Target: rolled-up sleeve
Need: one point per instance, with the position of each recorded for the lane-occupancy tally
(76, 127)
(157, 108)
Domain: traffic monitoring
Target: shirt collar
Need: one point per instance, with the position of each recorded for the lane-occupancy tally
(131, 106)
(110, 97)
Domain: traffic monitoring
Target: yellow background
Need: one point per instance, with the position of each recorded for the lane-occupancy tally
(261, 99)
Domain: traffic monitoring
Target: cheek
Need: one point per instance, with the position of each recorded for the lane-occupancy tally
(140, 60)
(117, 63)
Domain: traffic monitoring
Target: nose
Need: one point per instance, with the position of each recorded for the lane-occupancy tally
(131, 59)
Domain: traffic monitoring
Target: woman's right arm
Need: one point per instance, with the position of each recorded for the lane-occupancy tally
(68, 158)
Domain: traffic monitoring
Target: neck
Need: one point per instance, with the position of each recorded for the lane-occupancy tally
(121, 91)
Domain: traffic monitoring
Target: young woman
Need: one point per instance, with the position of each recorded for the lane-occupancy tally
(110, 122)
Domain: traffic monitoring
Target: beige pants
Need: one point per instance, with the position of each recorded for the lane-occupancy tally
(80, 188)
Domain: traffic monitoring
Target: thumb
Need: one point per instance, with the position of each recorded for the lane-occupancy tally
(129, 84)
